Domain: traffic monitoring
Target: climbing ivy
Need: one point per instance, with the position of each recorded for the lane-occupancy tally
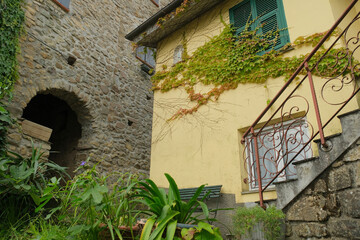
(228, 60)
(5, 121)
(11, 24)
(178, 11)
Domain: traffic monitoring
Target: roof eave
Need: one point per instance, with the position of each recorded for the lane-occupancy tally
(149, 34)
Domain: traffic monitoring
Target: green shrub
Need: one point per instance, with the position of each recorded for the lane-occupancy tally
(87, 205)
(245, 219)
(23, 181)
(41, 229)
(167, 209)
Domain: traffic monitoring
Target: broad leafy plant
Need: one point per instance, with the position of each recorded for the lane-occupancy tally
(88, 206)
(167, 209)
(26, 176)
(202, 231)
(23, 181)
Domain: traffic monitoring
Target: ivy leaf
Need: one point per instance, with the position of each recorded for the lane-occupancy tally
(5, 118)
(96, 193)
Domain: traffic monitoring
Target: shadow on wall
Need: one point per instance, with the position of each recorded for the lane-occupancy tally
(54, 113)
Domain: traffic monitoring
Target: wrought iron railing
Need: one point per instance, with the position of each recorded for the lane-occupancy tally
(270, 148)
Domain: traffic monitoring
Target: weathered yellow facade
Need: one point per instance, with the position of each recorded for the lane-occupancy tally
(205, 148)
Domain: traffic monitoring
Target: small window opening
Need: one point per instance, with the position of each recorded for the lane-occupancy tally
(64, 4)
(156, 2)
(178, 54)
(146, 55)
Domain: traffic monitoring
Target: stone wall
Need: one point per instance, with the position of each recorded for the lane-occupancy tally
(105, 86)
(330, 207)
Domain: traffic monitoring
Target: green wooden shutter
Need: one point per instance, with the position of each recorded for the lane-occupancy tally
(271, 17)
(264, 7)
(240, 15)
(270, 14)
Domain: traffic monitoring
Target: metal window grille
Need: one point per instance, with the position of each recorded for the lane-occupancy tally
(277, 144)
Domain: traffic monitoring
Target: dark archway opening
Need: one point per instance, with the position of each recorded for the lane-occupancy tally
(54, 113)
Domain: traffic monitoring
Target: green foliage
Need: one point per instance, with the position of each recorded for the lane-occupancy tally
(168, 209)
(228, 60)
(11, 24)
(22, 183)
(5, 122)
(42, 229)
(87, 205)
(245, 219)
(41, 208)
(25, 176)
(178, 11)
(202, 231)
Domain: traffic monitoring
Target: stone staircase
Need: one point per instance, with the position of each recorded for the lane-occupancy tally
(309, 169)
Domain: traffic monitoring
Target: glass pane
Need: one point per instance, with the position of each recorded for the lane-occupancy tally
(297, 135)
(178, 54)
(150, 57)
(269, 154)
(277, 145)
(147, 55)
(65, 3)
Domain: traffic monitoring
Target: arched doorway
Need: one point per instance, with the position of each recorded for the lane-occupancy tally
(54, 113)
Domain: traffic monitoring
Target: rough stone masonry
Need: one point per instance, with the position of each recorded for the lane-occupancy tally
(330, 207)
(104, 87)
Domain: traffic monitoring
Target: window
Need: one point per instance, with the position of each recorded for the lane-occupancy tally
(277, 144)
(269, 14)
(156, 2)
(146, 55)
(64, 4)
(178, 54)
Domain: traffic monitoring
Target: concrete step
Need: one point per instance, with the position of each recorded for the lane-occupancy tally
(309, 169)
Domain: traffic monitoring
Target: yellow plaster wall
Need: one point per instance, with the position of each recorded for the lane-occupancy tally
(205, 147)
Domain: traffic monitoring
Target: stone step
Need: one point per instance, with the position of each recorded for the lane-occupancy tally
(299, 162)
(309, 169)
(349, 121)
(286, 180)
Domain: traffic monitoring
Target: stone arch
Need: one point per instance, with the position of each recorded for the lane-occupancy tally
(68, 116)
(77, 99)
(78, 102)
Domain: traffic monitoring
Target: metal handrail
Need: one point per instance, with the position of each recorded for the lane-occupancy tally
(257, 136)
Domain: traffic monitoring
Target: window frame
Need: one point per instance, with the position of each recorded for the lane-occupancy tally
(178, 54)
(156, 3)
(251, 168)
(280, 16)
(66, 9)
(143, 60)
